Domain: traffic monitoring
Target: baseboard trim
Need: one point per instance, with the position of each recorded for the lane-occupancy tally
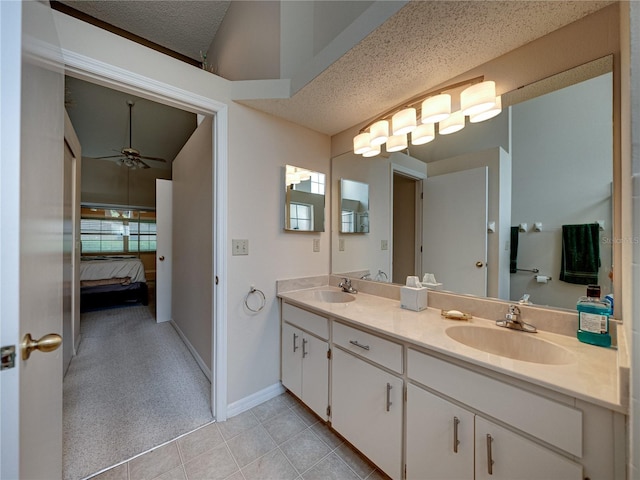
(201, 364)
(255, 399)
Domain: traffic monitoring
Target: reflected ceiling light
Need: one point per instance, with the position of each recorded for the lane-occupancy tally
(487, 114)
(424, 133)
(453, 123)
(395, 143)
(404, 121)
(362, 143)
(436, 108)
(379, 132)
(418, 116)
(375, 150)
(478, 98)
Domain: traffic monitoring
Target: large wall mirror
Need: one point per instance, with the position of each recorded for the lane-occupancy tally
(354, 206)
(541, 168)
(304, 199)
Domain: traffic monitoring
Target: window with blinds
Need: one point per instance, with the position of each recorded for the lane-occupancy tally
(117, 231)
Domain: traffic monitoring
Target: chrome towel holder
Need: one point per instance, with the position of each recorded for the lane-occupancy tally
(260, 294)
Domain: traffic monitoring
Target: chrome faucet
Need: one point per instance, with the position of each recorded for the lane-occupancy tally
(345, 285)
(512, 320)
(366, 276)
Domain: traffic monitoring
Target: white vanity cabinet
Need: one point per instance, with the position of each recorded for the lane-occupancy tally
(305, 363)
(367, 400)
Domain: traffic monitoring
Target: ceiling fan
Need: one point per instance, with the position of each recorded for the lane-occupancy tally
(129, 156)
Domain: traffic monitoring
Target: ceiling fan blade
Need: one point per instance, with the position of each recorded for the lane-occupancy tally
(144, 165)
(108, 156)
(153, 158)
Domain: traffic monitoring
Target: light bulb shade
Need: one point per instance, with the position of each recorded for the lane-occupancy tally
(375, 150)
(404, 121)
(424, 133)
(451, 124)
(395, 143)
(478, 98)
(361, 143)
(436, 108)
(487, 114)
(379, 132)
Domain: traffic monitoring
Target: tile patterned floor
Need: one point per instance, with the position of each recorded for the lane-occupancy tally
(279, 439)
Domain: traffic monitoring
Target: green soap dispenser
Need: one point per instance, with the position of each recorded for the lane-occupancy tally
(593, 318)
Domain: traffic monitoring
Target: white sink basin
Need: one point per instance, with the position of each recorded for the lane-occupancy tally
(332, 296)
(521, 346)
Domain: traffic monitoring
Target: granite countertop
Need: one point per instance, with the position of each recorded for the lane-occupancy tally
(594, 376)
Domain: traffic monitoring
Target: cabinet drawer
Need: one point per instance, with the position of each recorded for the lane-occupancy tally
(557, 424)
(379, 350)
(306, 320)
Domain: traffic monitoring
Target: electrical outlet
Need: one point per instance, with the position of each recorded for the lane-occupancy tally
(341, 244)
(240, 247)
(384, 245)
(316, 244)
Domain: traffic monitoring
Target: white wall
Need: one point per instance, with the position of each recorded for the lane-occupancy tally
(259, 145)
(192, 224)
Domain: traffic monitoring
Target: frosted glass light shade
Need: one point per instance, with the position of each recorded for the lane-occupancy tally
(487, 114)
(361, 143)
(379, 132)
(375, 150)
(395, 143)
(424, 133)
(404, 121)
(451, 124)
(478, 98)
(436, 108)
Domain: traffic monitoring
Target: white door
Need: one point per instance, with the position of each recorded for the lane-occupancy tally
(31, 261)
(454, 226)
(164, 229)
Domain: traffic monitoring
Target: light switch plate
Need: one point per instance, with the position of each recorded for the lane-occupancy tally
(341, 244)
(240, 247)
(384, 245)
(316, 244)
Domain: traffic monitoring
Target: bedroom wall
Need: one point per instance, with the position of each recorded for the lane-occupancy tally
(191, 284)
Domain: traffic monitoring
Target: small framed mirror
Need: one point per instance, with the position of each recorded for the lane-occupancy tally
(354, 206)
(304, 200)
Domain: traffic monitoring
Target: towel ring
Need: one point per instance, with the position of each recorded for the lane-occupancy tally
(263, 300)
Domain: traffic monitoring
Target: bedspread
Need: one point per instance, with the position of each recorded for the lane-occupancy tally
(110, 267)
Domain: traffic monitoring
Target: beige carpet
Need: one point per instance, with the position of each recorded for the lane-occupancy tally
(132, 386)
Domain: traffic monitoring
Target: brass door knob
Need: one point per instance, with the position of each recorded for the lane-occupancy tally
(479, 264)
(161, 258)
(48, 343)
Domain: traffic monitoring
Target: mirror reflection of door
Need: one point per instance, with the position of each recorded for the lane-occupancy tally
(455, 219)
(407, 238)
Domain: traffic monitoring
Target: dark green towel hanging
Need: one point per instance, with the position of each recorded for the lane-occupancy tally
(513, 260)
(580, 254)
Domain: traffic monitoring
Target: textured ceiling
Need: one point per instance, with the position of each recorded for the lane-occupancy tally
(423, 45)
(187, 27)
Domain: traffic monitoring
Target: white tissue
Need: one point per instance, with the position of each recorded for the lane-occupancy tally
(542, 278)
(414, 282)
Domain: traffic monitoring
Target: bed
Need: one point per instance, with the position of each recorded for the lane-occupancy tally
(107, 281)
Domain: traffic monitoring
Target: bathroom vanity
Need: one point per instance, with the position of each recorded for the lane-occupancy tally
(426, 397)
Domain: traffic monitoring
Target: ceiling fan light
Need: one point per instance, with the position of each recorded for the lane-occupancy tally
(478, 98)
(362, 143)
(395, 143)
(404, 121)
(453, 123)
(375, 150)
(436, 108)
(487, 114)
(379, 132)
(424, 133)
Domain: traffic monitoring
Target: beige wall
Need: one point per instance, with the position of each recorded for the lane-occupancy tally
(191, 281)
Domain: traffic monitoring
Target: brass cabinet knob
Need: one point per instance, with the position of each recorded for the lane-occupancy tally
(479, 264)
(48, 343)
(161, 258)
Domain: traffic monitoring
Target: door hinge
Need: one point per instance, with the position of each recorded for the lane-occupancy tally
(329, 354)
(405, 470)
(421, 196)
(328, 410)
(8, 354)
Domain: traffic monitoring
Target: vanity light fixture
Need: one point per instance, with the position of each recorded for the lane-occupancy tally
(418, 115)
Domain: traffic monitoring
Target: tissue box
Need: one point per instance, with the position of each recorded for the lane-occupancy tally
(413, 298)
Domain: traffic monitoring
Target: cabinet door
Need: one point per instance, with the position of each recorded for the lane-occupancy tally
(440, 438)
(514, 457)
(366, 408)
(292, 359)
(315, 374)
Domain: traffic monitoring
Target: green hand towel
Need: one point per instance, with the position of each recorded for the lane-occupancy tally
(513, 260)
(580, 254)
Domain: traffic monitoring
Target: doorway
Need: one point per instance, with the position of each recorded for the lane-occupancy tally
(212, 356)
(407, 226)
